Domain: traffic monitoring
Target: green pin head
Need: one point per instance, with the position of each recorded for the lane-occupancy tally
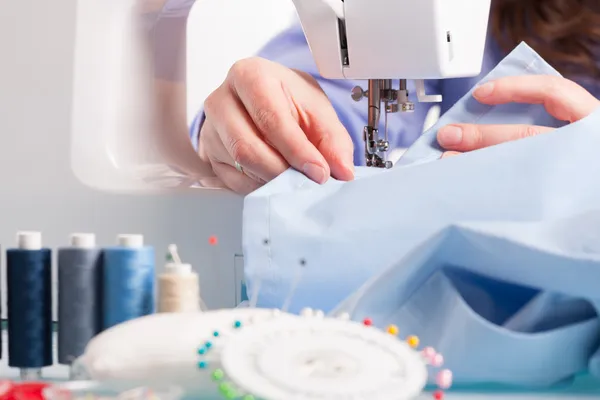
(224, 387)
(217, 374)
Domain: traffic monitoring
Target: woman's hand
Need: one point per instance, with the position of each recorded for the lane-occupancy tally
(563, 99)
(266, 117)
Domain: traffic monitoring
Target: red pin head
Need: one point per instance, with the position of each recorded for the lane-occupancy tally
(213, 240)
(30, 391)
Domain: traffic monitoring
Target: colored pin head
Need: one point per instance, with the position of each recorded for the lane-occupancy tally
(213, 240)
(392, 330)
(444, 379)
(413, 341)
(225, 386)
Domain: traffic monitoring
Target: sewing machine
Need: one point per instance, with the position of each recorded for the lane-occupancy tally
(378, 41)
(129, 131)
(140, 139)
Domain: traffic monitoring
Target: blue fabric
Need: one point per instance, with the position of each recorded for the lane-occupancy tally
(291, 49)
(492, 257)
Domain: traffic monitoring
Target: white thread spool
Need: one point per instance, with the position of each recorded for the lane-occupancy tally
(178, 287)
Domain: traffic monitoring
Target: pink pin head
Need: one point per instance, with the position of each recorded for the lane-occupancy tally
(437, 360)
(213, 240)
(444, 379)
(428, 353)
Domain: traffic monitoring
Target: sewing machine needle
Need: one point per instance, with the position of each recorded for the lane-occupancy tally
(385, 127)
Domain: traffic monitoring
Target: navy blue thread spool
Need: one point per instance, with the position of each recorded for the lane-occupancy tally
(129, 281)
(79, 296)
(29, 298)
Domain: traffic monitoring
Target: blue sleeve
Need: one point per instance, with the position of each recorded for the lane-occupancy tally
(291, 50)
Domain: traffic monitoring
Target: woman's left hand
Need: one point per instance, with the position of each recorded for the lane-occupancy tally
(563, 99)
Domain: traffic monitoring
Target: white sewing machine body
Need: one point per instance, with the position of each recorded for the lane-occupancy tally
(386, 40)
(395, 39)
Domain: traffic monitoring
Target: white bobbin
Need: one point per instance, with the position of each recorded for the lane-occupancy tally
(29, 240)
(83, 240)
(178, 269)
(130, 240)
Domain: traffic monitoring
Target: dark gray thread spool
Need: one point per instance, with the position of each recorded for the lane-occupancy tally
(79, 301)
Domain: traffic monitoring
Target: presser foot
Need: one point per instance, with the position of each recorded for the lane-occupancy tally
(375, 149)
(381, 92)
(378, 162)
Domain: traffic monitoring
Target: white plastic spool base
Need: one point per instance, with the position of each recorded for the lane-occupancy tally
(131, 241)
(29, 240)
(83, 240)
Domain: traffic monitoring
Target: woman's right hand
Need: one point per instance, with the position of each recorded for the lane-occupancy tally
(266, 117)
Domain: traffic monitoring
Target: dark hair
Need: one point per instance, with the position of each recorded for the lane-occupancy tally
(566, 33)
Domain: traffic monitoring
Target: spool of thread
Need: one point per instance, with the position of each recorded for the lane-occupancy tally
(128, 284)
(79, 296)
(29, 284)
(179, 289)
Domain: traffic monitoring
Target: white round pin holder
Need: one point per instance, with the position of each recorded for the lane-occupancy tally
(312, 357)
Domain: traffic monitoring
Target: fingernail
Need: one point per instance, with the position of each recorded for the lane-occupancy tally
(484, 90)
(448, 154)
(315, 172)
(450, 135)
(350, 167)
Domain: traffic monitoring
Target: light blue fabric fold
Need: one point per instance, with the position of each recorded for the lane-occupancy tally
(521, 61)
(492, 257)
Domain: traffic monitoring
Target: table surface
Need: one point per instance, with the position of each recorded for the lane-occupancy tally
(585, 388)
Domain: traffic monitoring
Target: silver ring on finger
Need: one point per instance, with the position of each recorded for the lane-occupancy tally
(238, 167)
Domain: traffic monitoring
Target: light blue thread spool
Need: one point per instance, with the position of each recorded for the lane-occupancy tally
(129, 281)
